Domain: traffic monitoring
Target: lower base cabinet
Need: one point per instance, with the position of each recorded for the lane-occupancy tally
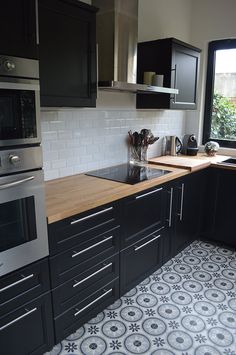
(139, 260)
(71, 320)
(28, 329)
(219, 215)
(185, 210)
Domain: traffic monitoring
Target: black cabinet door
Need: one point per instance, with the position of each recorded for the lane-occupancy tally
(139, 260)
(142, 213)
(18, 28)
(67, 53)
(185, 63)
(220, 210)
(29, 329)
(185, 210)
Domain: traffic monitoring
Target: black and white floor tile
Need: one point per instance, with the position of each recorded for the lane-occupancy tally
(187, 307)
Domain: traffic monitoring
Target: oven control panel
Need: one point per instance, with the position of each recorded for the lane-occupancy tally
(21, 159)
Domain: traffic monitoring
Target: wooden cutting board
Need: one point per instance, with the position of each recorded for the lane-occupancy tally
(184, 162)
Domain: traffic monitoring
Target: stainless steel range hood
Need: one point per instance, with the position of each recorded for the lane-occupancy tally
(117, 37)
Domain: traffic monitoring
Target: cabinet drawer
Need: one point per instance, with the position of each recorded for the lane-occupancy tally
(86, 309)
(79, 229)
(142, 213)
(23, 285)
(83, 256)
(71, 292)
(29, 329)
(139, 260)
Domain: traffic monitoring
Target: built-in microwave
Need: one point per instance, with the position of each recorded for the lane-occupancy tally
(19, 101)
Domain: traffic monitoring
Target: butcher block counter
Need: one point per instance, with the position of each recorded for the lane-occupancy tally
(74, 194)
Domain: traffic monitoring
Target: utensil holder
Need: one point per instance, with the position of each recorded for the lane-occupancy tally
(138, 154)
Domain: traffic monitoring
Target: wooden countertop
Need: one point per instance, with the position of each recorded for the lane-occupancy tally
(74, 194)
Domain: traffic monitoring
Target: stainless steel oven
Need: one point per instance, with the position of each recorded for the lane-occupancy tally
(19, 101)
(23, 228)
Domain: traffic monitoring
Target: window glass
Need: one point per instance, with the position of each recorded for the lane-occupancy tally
(220, 106)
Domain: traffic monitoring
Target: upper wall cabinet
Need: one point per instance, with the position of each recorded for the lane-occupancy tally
(18, 28)
(179, 63)
(67, 32)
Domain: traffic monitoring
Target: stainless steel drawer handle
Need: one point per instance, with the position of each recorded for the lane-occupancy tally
(17, 282)
(93, 274)
(148, 193)
(180, 214)
(90, 304)
(91, 247)
(15, 183)
(91, 215)
(170, 208)
(18, 318)
(150, 241)
(19, 86)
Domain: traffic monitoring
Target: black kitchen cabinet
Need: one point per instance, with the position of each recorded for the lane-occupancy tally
(84, 266)
(143, 220)
(28, 329)
(26, 324)
(185, 210)
(179, 63)
(140, 260)
(219, 214)
(67, 53)
(141, 214)
(23, 285)
(98, 299)
(18, 28)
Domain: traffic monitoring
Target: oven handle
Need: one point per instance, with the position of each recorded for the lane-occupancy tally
(19, 86)
(15, 183)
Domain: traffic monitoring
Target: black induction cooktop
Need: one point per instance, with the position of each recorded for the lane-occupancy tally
(128, 173)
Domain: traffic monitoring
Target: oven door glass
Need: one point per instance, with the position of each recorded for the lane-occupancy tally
(17, 222)
(17, 114)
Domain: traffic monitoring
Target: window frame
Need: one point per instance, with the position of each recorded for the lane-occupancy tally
(212, 48)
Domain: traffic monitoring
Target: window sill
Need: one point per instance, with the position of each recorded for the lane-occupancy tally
(223, 151)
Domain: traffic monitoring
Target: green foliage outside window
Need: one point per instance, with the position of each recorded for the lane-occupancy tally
(223, 124)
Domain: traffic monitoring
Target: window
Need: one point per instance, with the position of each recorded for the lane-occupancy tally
(220, 100)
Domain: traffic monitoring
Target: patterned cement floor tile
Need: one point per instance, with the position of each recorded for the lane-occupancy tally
(187, 307)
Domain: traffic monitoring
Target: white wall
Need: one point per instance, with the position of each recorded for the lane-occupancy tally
(211, 19)
(164, 18)
(79, 140)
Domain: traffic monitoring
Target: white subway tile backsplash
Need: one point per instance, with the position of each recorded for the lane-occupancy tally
(50, 155)
(51, 174)
(66, 172)
(60, 163)
(78, 140)
(49, 135)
